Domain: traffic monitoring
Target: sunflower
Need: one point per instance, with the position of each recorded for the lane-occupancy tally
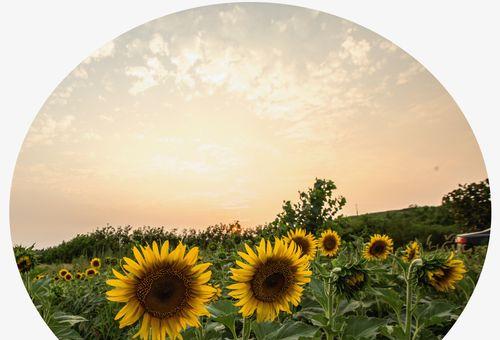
(217, 293)
(329, 243)
(95, 263)
(307, 242)
(91, 272)
(271, 279)
(379, 247)
(447, 274)
(63, 272)
(39, 277)
(411, 252)
(68, 276)
(167, 289)
(24, 263)
(80, 276)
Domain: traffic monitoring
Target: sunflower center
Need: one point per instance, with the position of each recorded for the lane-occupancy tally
(330, 243)
(164, 292)
(303, 244)
(272, 280)
(378, 248)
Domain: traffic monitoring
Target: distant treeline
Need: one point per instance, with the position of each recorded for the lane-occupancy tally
(316, 210)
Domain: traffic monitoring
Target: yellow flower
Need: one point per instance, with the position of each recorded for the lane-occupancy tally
(63, 272)
(68, 276)
(271, 279)
(24, 263)
(307, 242)
(355, 280)
(412, 252)
(329, 243)
(379, 247)
(91, 272)
(95, 263)
(80, 276)
(447, 275)
(168, 289)
(39, 277)
(217, 293)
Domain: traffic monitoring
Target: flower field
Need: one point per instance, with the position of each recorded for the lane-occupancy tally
(299, 286)
(331, 279)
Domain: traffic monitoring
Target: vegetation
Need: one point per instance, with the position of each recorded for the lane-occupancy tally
(470, 205)
(387, 275)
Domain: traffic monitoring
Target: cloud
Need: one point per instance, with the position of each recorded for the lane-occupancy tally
(80, 72)
(405, 76)
(356, 50)
(146, 76)
(388, 46)
(232, 16)
(105, 51)
(91, 135)
(157, 45)
(46, 129)
(106, 118)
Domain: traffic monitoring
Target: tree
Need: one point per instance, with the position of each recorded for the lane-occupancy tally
(470, 205)
(316, 207)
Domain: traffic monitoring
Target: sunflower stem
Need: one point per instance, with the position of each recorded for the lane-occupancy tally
(409, 297)
(245, 332)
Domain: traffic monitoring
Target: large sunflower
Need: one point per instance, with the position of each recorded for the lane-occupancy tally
(167, 289)
(411, 252)
(307, 242)
(379, 247)
(271, 279)
(329, 242)
(447, 275)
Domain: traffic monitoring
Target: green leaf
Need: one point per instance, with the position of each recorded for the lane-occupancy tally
(390, 297)
(262, 329)
(359, 327)
(435, 312)
(288, 331)
(224, 312)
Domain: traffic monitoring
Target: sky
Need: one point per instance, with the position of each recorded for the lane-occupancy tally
(220, 113)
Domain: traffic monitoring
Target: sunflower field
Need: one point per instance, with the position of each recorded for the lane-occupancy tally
(296, 287)
(283, 281)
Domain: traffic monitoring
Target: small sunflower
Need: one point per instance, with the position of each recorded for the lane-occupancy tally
(91, 272)
(24, 263)
(447, 274)
(63, 272)
(168, 289)
(329, 243)
(217, 293)
(39, 277)
(307, 242)
(95, 263)
(271, 279)
(68, 276)
(379, 247)
(80, 276)
(411, 252)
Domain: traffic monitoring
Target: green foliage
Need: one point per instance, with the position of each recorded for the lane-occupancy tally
(433, 225)
(470, 205)
(316, 207)
(348, 297)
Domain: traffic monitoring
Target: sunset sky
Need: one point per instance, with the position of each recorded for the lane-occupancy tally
(220, 113)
